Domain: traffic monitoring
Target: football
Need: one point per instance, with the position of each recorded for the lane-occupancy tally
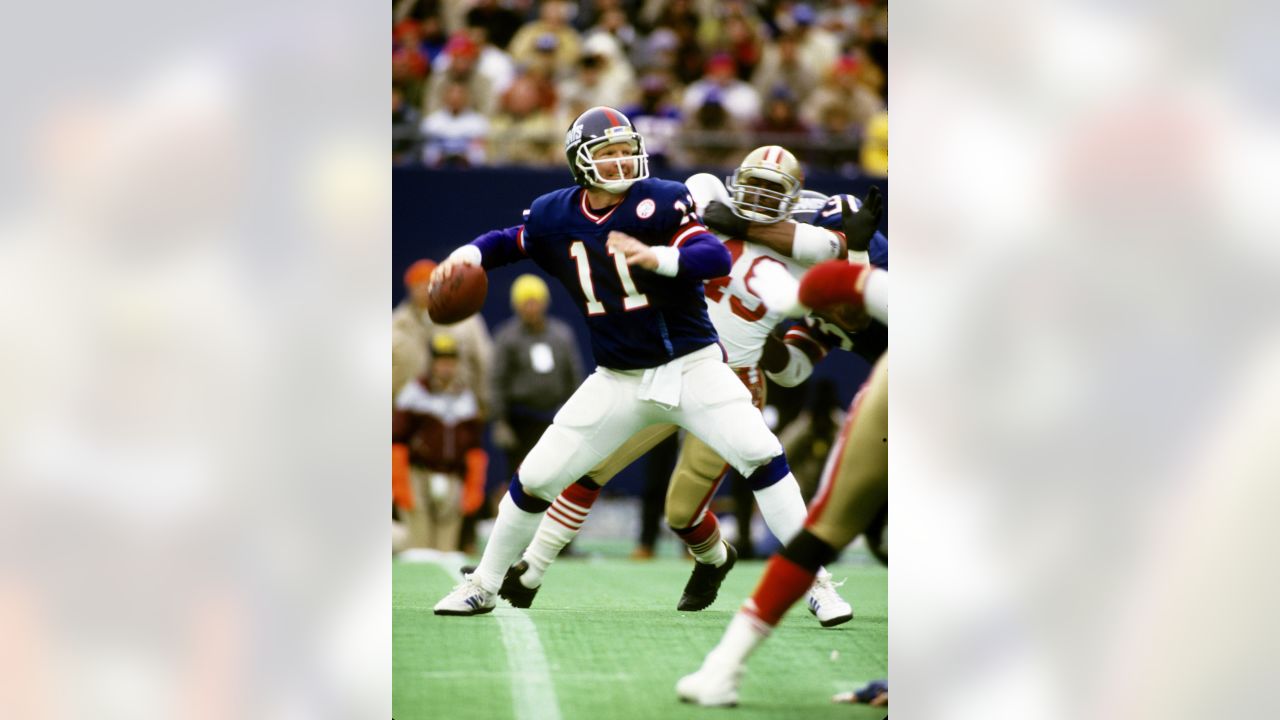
(459, 296)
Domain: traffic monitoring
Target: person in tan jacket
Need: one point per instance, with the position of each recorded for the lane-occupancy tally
(412, 331)
(436, 434)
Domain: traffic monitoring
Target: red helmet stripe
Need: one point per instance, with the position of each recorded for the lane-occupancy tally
(613, 119)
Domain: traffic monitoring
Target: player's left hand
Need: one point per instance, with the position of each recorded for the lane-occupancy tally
(637, 253)
(860, 226)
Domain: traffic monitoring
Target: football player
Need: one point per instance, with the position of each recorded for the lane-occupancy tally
(764, 193)
(633, 253)
(854, 488)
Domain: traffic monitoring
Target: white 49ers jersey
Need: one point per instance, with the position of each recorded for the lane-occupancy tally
(741, 318)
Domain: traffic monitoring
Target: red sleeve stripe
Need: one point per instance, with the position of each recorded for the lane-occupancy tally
(687, 232)
(809, 346)
(520, 240)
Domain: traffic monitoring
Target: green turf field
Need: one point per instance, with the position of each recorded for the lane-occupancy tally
(613, 646)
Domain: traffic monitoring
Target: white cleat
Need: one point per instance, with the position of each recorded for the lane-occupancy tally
(827, 605)
(713, 685)
(468, 598)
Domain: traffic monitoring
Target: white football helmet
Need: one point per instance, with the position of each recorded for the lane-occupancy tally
(766, 186)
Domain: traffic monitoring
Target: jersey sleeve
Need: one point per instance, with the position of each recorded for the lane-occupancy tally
(702, 255)
(501, 247)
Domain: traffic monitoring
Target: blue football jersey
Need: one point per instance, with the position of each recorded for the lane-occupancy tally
(637, 318)
(831, 217)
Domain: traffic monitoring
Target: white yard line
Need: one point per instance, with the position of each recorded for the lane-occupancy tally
(533, 695)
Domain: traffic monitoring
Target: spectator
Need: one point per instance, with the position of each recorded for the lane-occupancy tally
(437, 431)
(492, 63)
(874, 153)
(837, 137)
(523, 131)
(550, 33)
(657, 52)
(843, 87)
(454, 135)
(741, 40)
(739, 100)
(500, 23)
(459, 62)
(783, 66)
(603, 77)
(615, 23)
(404, 126)
(781, 122)
(711, 136)
(656, 117)
(412, 330)
(536, 368)
(410, 63)
(818, 47)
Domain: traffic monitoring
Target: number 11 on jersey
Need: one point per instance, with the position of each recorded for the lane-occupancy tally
(632, 300)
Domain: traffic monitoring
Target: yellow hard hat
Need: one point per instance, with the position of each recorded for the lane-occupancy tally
(443, 345)
(528, 287)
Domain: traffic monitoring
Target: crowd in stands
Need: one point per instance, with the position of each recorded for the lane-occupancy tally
(497, 82)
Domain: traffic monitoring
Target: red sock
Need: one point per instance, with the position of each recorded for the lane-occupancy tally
(704, 536)
(783, 583)
(581, 495)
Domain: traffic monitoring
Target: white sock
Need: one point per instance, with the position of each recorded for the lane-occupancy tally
(558, 528)
(784, 512)
(783, 508)
(741, 638)
(511, 533)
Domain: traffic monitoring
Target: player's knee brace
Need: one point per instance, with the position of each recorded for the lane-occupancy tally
(770, 473)
(808, 551)
(525, 501)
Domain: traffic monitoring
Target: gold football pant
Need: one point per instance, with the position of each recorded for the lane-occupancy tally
(855, 481)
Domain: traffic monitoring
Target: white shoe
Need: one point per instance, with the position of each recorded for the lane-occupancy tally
(827, 605)
(468, 598)
(713, 685)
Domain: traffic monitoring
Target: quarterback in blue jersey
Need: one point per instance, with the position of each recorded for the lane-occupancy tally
(633, 253)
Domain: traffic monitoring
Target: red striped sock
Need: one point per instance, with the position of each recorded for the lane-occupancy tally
(783, 583)
(703, 539)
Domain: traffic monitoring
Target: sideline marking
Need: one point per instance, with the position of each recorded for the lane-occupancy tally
(533, 696)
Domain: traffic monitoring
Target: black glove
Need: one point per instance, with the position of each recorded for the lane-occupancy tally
(860, 226)
(720, 217)
(775, 355)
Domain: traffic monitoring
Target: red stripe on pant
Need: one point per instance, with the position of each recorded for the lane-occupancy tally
(832, 471)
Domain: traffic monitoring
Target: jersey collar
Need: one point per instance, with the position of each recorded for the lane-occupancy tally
(586, 209)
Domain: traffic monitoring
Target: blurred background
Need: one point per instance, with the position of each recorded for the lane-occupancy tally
(497, 82)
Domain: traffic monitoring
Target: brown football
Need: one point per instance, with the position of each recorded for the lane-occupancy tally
(459, 296)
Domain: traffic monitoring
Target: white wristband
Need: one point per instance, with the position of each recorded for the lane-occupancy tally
(668, 260)
(813, 244)
(468, 254)
(875, 295)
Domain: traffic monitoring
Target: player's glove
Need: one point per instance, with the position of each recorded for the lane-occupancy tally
(720, 217)
(775, 356)
(860, 226)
